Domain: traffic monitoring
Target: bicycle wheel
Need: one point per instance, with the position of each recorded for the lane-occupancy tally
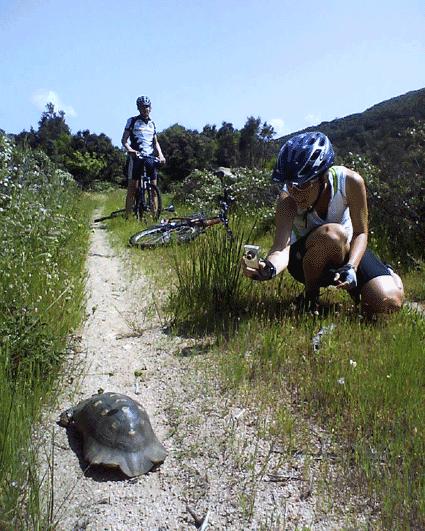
(153, 201)
(165, 234)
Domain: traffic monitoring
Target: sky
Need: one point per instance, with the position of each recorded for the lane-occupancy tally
(292, 63)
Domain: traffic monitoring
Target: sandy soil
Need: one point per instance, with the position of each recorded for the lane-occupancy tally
(219, 473)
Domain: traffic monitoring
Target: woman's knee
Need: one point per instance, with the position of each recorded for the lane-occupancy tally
(329, 239)
(397, 281)
(333, 233)
(382, 295)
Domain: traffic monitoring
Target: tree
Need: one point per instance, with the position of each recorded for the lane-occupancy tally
(227, 146)
(87, 156)
(27, 139)
(209, 131)
(53, 133)
(97, 148)
(266, 135)
(185, 150)
(85, 167)
(249, 146)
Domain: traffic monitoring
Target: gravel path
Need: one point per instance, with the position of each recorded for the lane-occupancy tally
(220, 473)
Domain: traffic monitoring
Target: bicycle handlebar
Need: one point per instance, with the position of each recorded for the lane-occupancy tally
(149, 160)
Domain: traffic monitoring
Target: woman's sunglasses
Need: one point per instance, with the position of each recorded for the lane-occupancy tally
(300, 187)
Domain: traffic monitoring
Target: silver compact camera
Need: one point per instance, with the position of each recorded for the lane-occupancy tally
(251, 256)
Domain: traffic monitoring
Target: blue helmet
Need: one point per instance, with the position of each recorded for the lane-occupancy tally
(143, 101)
(303, 157)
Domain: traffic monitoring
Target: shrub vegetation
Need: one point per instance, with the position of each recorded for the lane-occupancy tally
(43, 229)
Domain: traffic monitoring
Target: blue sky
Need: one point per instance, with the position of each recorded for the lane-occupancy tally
(292, 63)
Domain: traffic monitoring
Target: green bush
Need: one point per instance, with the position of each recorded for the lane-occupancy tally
(253, 191)
(396, 211)
(44, 237)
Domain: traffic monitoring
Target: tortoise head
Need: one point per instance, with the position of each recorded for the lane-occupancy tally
(65, 418)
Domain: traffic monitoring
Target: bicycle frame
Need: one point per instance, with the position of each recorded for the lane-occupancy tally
(202, 220)
(184, 228)
(143, 185)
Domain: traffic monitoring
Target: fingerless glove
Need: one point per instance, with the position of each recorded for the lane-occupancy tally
(347, 274)
(267, 272)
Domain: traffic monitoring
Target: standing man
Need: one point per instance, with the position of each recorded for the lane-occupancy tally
(140, 140)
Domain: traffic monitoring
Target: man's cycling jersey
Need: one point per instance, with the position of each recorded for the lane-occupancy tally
(142, 134)
(338, 210)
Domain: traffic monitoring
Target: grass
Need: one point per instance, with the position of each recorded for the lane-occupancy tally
(44, 232)
(364, 385)
(122, 229)
(414, 283)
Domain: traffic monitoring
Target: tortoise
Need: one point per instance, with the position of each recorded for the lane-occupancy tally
(116, 433)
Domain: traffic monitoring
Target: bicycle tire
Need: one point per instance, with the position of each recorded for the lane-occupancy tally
(153, 207)
(164, 235)
(112, 215)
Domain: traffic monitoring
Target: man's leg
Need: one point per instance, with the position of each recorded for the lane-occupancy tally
(154, 180)
(131, 194)
(133, 168)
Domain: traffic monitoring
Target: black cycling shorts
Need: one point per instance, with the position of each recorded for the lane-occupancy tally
(370, 266)
(134, 168)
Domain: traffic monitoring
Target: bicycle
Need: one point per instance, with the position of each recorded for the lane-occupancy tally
(183, 229)
(148, 197)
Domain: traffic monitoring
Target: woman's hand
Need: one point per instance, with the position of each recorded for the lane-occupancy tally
(249, 272)
(345, 277)
(265, 271)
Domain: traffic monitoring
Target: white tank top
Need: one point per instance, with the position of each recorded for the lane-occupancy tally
(338, 210)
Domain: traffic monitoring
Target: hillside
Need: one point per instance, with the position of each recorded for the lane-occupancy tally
(391, 133)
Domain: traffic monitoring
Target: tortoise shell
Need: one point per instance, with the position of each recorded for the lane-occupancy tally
(116, 432)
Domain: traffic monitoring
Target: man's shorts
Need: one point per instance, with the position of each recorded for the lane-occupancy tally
(370, 266)
(134, 168)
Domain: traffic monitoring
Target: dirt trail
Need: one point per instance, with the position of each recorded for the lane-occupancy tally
(217, 463)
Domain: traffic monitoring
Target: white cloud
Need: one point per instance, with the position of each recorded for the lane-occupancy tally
(279, 126)
(312, 119)
(41, 97)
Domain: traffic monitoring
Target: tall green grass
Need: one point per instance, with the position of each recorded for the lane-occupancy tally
(44, 234)
(210, 283)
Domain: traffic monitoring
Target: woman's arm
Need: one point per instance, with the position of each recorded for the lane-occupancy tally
(357, 201)
(284, 218)
(279, 253)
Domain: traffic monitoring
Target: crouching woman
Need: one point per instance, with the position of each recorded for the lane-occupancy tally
(322, 229)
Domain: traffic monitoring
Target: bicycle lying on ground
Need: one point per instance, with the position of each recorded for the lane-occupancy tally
(183, 229)
(148, 196)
